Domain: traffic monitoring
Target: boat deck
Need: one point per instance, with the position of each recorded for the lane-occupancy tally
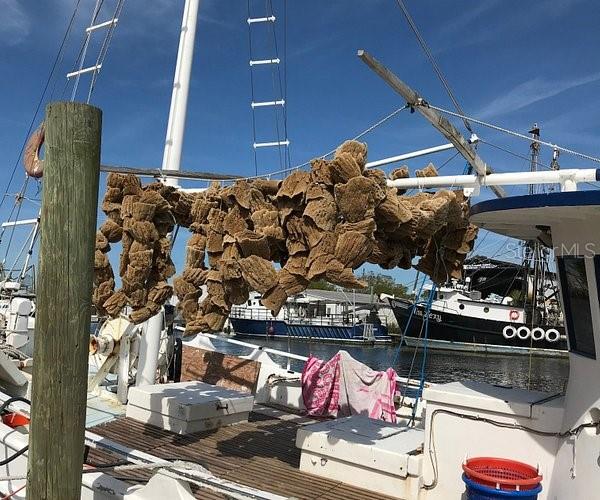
(261, 454)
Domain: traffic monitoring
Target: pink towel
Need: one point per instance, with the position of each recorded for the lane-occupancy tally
(343, 386)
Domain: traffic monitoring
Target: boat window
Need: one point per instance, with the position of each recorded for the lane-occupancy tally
(249, 302)
(486, 309)
(316, 310)
(578, 314)
(441, 296)
(461, 307)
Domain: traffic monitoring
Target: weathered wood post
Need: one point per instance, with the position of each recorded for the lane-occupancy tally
(64, 287)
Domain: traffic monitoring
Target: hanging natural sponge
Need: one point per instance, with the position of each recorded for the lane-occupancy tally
(323, 212)
(259, 273)
(274, 299)
(353, 249)
(358, 151)
(345, 167)
(358, 198)
(320, 224)
(428, 171)
(252, 243)
(321, 172)
(294, 185)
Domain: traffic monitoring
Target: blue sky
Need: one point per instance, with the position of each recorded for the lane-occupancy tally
(509, 62)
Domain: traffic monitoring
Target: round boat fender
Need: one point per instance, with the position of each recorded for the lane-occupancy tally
(552, 335)
(523, 332)
(34, 165)
(513, 315)
(270, 331)
(538, 334)
(509, 332)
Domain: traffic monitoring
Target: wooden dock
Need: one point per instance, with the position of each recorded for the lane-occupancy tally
(261, 454)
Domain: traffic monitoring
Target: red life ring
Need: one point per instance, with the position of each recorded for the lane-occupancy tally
(513, 315)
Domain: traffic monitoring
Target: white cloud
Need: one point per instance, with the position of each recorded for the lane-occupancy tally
(15, 25)
(143, 17)
(458, 24)
(479, 25)
(531, 91)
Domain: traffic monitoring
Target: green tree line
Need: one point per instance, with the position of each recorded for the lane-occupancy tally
(378, 283)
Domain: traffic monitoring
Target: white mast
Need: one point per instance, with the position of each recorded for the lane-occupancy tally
(150, 341)
(181, 86)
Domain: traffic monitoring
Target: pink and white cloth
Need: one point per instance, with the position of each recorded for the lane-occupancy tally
(343, 386)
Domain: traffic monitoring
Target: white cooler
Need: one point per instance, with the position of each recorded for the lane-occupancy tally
(188, 407)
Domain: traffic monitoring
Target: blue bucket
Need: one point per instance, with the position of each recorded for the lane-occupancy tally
(477, 491)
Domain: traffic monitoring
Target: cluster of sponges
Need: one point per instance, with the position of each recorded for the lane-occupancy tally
(316, 225)
(141, 218)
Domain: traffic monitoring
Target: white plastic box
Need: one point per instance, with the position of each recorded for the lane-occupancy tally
(370, 454)
(188, 407)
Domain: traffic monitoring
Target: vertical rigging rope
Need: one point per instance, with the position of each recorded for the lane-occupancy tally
(432, 60)
(425, 350)
(285, 96)
(84, 48)
(408, 323)
(19, 205)
(287, 162)
(55, 64)
(278, 83)
(104, 48)
(252, 91)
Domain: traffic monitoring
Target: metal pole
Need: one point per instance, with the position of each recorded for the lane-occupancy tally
(150, 341)
(535, 152)
(149, 351)
(181, 86)
(568, 179)
(416, 154)
(36, 231)
(64, 290)
(438, 121)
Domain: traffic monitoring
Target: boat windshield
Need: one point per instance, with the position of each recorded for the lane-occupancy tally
(577, 308)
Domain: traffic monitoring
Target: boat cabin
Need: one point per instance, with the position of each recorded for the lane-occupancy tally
(558, 433)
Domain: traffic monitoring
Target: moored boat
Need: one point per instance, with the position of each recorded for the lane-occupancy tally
(316, 315)
(459, 319)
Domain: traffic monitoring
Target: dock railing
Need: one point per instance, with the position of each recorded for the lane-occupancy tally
(348, 319)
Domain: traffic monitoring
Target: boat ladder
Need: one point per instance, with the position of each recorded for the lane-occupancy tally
(267, 73)
(91, 43)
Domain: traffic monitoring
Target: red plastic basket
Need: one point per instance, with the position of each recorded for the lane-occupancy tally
(14, 419)
(502, 473)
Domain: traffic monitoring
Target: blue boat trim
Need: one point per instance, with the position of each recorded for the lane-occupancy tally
(565, 199)
(282, 329)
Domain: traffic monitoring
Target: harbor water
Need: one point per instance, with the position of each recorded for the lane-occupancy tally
(535, 373)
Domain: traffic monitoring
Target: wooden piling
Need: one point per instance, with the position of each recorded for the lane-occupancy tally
(64, 287)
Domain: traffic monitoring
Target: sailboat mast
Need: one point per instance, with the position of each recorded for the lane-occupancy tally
(535, 152)
(181, 86)
(150, 342)
(537, 253)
